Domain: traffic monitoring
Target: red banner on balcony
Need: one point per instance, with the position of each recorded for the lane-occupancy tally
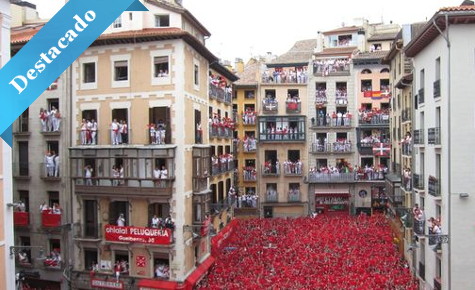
(20, 218)
(218, 241)
(138, 235)
(51, 219)
(381, 149)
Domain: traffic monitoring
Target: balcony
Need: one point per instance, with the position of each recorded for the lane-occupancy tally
(270, 170)
(315, 177)
(321, 98)
(282, 137)
(405, 216)
(433, 136)
(139, 235)
(249, 145)
(51, 127)
(50, 220)
(294, 196)
(87, 137)
(418, 181)
(21, 170)
(157, 136)
(270, 106)
(418, 137)
(374, 120)
(422, 271)
(216, 92)
(221, 168)
(118, 138)
(50, 172)
(292, 107)
(437, 89)
(250, 174)
(220, 131)
(335, 148)
(324, 122)
(200, 184)
(331, 67)
(419, 226)
(127, 186)
(249, 118)
(406, 149)
(293, 168)
(434, 187)
(421, 96)
(21, 219)
(285, 75)
(272, 197)
(21, 128)
(365, 148)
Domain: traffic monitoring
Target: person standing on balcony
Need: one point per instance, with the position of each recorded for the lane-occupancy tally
(115, 132)
(83, 132)
(51, 118)
(43, 119)
(124, 132)
(115, 175)
(56, 165)
(156, 221)
(160, 132)
(88, 174)
(93, 132)
(49, 163)
(56, 121)
(121, 220)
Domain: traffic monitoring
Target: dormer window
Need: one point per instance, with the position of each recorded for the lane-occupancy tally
(344, 40)
(162, 20)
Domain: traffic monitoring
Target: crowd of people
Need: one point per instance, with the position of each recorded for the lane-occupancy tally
(292, 103)
(328, 66)
(119, 132)
(321, 96)
(51, 163)
(54, 259)
(280, 76)
(88, 132)
(406, 144)
(373, 116)
(345, 170)
(50, 119)
(221, 126)
(157, 132)
(249, 143)
(282, 133)
(247, 200)
(334, 119)
(249, 117)
(341, 145)
(293, 167)
(338, 252)
(250, 173)
(270, 104)
(220, 88)
(55, 209)
(223, 162)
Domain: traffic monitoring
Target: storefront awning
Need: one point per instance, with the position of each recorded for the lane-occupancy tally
(199, 273)
(158, 284)
(332, 192)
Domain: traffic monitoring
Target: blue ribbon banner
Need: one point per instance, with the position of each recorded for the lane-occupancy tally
(51, 51)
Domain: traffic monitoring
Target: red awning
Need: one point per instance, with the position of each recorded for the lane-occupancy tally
(158, 284)
(199, 273)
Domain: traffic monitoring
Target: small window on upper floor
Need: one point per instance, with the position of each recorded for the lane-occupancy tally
(117, 23)
(89, 72)
(121, 69)
(161, 66)
(197, 75)
(162, 20)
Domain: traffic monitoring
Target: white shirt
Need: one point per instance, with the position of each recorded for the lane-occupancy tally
(121, 222)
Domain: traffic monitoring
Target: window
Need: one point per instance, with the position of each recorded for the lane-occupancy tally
(249, 94)
(123, 258)
(89, 72)
(53, 147)
(90, 258)
(23, 159)
(366, 85)
(271, 192)
(198, 129)
(121, 70)
(25, 197)
(196, 75)
(162, 20)
(437, 69)
(160, 65)
(117, 23)
(421, 81)
(115, 209)
(90, 219)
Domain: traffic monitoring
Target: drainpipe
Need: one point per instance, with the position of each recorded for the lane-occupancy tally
(449, 183)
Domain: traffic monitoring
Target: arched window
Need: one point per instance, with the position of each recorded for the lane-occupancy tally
(384, 70)
(366, 71)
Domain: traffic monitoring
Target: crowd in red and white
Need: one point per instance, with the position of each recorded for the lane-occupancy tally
(250, 173)
(50, 119)
(217, 81)
(119, 132)
(337, 252)
(157, 132)
(373, 116)
(88, 134)
(221, 126)
(321, 95)
(281, 76)
(291, 167)
(327, 66)
(222, 163)
(249, 117)
(249, 143)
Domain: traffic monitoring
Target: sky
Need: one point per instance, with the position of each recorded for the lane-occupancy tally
(246, 28)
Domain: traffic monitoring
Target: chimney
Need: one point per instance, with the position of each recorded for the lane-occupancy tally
(467, 3)
(320, 42)
(239, 65)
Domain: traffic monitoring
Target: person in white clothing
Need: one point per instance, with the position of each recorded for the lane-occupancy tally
(56, 165)
(84, 132)
(88, 174)
(93, 132)
(121, 220)
(49, 163)
(115, 132)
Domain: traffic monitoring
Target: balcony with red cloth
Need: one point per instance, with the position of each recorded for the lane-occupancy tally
(50, 220)
(21, 219)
